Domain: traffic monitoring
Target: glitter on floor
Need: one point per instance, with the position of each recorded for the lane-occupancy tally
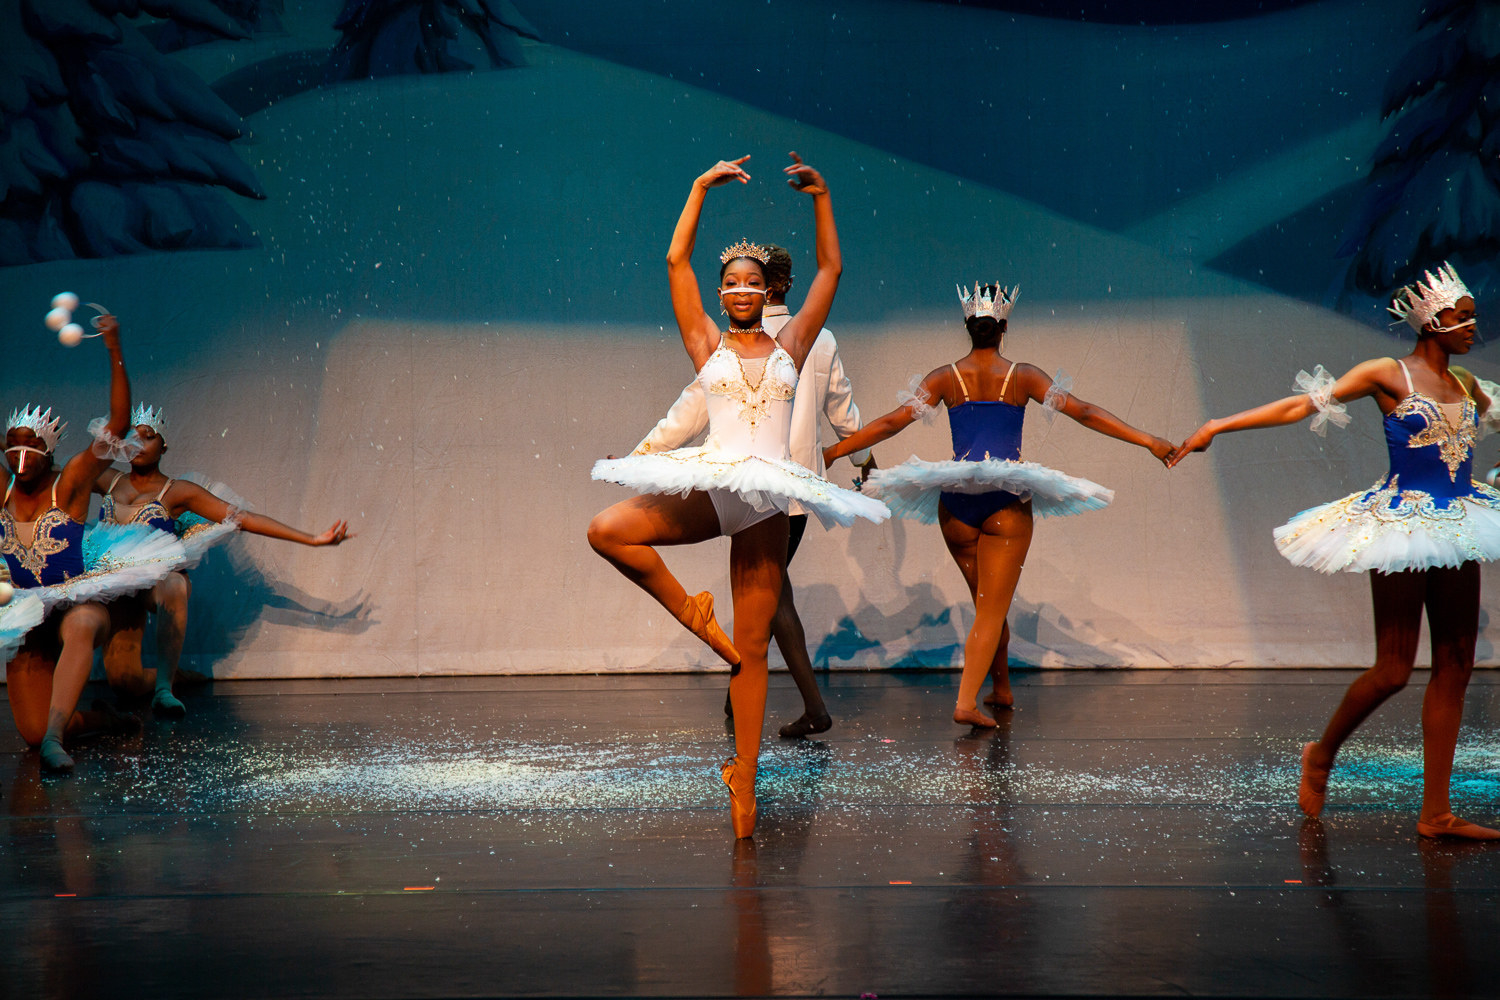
(1121, 833)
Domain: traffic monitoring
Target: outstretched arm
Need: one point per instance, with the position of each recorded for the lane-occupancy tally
(83, 470)
(700, 335)
(1365, 379)
(191, 496)
(890, 424)
(1096, 418)
(798, 335)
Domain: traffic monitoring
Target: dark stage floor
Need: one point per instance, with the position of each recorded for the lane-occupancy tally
(1126, 833)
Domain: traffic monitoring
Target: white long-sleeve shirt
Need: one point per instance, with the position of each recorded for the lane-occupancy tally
(822, 388)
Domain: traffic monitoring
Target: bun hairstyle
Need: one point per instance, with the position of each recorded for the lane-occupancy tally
(985, 331)
(778, 269)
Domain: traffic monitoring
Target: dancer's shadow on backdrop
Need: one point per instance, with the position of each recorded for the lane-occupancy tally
(232, 593)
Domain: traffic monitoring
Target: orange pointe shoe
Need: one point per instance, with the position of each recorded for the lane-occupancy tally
(1313, 788)
(741, 798)
(698, 615)
(1449, 825)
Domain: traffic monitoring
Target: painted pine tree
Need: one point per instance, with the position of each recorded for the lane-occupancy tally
(108, 147)
(1433, 192)
(395, 37)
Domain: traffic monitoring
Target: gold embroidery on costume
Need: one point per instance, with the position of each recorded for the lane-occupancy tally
(43, 545)
(1454, 443)
(755, 400)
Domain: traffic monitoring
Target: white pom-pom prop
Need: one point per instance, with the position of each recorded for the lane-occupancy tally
(60, 318)
(6, 592)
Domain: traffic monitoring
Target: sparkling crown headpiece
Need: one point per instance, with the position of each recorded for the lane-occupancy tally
(744, 248)
(150, 416)
(1420, 302)
(42, 424)
(983, 302)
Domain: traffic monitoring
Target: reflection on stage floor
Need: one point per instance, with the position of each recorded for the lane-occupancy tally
(1121, 833)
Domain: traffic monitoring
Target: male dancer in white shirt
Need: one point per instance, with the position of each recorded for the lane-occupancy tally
(822, 387)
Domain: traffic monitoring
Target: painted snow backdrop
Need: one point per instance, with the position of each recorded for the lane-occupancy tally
(456, 302)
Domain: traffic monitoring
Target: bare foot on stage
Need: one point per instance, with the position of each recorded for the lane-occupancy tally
(1000, 697)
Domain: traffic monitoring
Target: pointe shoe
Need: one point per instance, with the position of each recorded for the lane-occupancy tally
(166, 705)
(806, 726)
(742, 806)
(698, 615)
(116, 722)
(973, 717)
(1313, 788)
(1449, 825)
(54, 757)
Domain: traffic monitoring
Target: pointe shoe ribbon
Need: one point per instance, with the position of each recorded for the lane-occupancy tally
(742, 805)
(1449, 825)
(1313, 788)
(698, 615)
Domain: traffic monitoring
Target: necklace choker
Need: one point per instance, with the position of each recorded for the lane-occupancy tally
(747, 329)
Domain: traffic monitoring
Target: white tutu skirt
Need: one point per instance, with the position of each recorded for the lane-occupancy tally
(22, 613)
(912, 488)
(765, 484)
(118, 559)
(1391, 530)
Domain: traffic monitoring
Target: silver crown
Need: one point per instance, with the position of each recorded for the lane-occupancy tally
(1420, 302)
(983, 302)
(42, 424)
(150, 416)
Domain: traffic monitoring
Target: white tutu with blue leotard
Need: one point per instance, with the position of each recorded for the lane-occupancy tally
(913, 489)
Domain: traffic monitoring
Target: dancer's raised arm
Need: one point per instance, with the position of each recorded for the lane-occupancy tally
(700, 334)
(798, 335)
(1378, 377)
(76, 481)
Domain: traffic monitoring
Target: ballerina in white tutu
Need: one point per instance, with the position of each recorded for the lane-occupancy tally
(742, 480)
(984, 499)
(202, 516)
(1421, 532)
(71, 573)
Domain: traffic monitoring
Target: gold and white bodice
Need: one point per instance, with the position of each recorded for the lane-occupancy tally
(749, 402)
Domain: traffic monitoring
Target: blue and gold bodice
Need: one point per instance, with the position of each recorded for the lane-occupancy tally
(1432, 450)
(55, 554)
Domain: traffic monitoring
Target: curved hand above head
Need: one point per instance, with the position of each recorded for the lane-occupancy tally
(798, 335)
(723, 172)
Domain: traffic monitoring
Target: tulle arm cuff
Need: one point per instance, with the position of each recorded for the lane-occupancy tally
(1319, 389)
(1057, 394)
(918, 398)
(111, 448)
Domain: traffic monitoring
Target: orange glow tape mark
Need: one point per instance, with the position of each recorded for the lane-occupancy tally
(65, 895)
(418, 888)
(1292, 881)
(900, 883)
